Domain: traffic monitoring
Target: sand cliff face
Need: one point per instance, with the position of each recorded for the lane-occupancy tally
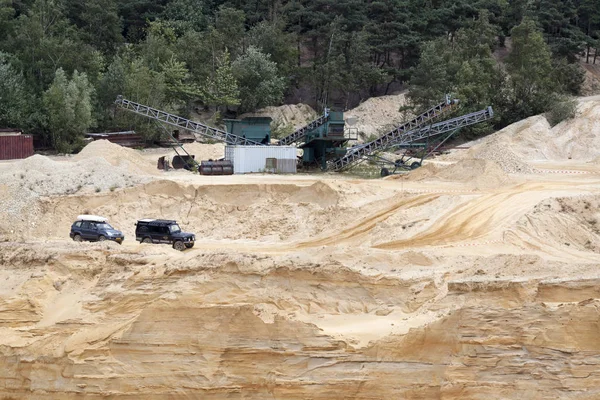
(474, 280)
(222, 325)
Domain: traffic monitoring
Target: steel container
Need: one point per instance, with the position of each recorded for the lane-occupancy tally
(248, 159)
(16, 147)
(216, 168)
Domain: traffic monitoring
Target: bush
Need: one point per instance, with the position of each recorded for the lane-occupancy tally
(280, 130)
(561, 110)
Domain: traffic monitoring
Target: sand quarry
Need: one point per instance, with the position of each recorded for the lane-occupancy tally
(474, 277)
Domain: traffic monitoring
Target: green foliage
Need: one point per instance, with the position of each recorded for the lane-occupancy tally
(171, 54)
(13, 95)
(430, 80)
(136, 14)
(561, 110)
(280, 130)
(222, 88)
(530, 68)
(258, 80)
(556, 18)
(178, 85)
(568, 76)
(186, 15)
(230, 30)
(68, 106)
(271, 39)
(98, 22)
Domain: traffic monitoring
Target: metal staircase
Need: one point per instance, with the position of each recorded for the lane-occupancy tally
(299, 134)
(164, 117)
(401, 136)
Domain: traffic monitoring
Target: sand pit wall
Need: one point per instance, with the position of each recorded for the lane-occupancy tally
(564, 223)
(253, 212)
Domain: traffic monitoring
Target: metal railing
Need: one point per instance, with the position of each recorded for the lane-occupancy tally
(174, 120)
(299, 134)
(390, 137)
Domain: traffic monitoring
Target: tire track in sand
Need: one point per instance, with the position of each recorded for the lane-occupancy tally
(478, 218)
(368, 223)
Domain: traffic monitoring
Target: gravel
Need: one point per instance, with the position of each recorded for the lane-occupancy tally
(39, 176)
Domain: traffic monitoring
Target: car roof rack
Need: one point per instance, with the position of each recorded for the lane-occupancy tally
(92, 218)
(158, 221)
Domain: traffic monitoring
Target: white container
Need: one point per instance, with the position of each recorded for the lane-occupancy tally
(248, 159)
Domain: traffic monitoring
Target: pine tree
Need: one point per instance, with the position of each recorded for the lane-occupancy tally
(530, 68)
(558, 21)
(222, 89)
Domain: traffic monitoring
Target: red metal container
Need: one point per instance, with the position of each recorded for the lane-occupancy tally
(15, 147)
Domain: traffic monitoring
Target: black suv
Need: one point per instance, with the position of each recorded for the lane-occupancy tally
(94, 228)
(163, 231)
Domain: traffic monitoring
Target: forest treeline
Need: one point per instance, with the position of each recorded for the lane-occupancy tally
(63, 62)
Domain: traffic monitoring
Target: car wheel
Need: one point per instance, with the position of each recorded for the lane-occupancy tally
(178, 245)
(78, 238)
(415, 165)
(101, 238)
(147, 240)
(189, 245)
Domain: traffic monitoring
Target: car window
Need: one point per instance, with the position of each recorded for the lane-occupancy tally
(78, 224)
(143, 228)
(85, 225)
(104, 226)
(93, 225)
(174, 228)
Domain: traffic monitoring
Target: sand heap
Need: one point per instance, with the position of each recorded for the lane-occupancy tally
(378, 115)
(499, 151)
(480, 174)
(578, 138)
(296, 115)
(204, 151)
(534, 140)
(118, 156)
(39, 176)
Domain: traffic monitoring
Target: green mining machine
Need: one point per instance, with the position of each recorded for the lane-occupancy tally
(256, 129)
(325, 140)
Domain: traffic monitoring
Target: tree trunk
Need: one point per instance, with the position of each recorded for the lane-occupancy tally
(587, 55)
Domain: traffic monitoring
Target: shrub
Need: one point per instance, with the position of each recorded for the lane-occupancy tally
(562, 110)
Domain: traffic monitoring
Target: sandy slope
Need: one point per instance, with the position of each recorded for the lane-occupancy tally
(459, 281)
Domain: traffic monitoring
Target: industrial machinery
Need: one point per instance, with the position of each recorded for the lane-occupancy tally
(323, 140)
(256, 129)
(402, 136)
(299, 134)
(164, 119)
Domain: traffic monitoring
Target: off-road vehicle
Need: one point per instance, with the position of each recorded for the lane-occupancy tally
(94, 228)
(163, 231)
